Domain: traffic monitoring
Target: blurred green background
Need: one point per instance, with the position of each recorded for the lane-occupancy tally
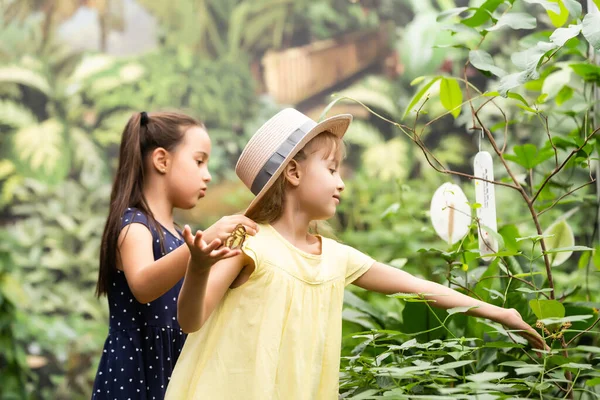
(73, 71)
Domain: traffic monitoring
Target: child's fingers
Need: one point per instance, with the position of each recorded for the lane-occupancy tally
(187, 235)
(224, 253)
(250, 226)
(231, 253)
(198, 239)
(212, 246)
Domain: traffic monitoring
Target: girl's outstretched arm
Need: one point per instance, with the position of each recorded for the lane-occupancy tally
(206, 280)
(149, 279)
(389, 280)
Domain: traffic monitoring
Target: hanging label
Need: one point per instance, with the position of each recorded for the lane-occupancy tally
(485, 195)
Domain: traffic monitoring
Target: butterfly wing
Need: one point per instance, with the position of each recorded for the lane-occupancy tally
(236, 239)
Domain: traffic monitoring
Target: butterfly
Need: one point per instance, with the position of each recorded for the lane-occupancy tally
(236, 239)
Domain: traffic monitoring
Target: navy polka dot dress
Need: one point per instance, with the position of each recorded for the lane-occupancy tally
(144, 340)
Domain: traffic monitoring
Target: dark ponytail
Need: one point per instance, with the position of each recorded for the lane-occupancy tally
(142, 134)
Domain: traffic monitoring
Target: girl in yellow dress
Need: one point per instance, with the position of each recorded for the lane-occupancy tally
(267, 323)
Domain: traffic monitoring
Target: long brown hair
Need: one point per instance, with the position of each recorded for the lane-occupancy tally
(141, 136)
(270, 207)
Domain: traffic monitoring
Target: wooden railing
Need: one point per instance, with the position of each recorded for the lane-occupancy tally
(295, 74)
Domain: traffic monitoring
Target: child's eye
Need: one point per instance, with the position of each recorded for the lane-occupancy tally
(333, 171)
(200, 162)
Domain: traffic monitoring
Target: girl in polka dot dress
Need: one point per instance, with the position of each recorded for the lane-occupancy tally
(162, 165)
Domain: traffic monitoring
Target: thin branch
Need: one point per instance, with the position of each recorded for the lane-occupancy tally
(565, 195)
(531, 180)
(503, 116)
(561, 166)
(417, 140)
(550, 138)
(465, 288)
(513, 277)
(585, 331)
(547, 264)
(499, 153)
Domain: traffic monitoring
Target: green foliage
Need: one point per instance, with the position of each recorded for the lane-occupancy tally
(13, 365)
(70, 106)
(545, 124)
(533, 93)
(220, 92)
(55, 248)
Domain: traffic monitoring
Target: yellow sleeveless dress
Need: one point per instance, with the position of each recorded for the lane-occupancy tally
(278, 336)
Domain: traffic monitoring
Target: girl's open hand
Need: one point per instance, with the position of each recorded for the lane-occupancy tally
(202, 255)
(513, 320)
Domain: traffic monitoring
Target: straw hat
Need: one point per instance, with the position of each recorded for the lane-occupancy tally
(277, 142)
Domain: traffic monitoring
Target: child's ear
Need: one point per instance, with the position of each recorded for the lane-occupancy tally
(160, 160)
(293, 173)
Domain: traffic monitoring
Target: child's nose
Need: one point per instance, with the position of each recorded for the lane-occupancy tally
(207, 177)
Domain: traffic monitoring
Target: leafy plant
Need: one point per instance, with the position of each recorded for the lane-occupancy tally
(529, 272)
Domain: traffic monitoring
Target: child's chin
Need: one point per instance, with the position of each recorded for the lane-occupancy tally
(188, 205)
(324, 216)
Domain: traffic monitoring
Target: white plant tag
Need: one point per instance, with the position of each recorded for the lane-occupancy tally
(485, 195)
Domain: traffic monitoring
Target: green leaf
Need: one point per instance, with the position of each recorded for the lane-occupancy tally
(482, 14)
(455, 310)
(559, 18)
(591, 29)
(528, 109)
(451, 95)
(589, 72)
(511, 81)
(483, 61)
(534, 238)
(417, 80)
(555, 82)
(450, 13)
(574, 8)
(354, 301)
(455, 364)
(547, 308)
(372, 91)
(418, 319)
(562, 237)
(46, 159)
(6, 168)
(560, 36)
(15, 114)
(526, 274)
(25, 77)
(517, 96)
(571, 249)
(565, 94)
(584, 260)
(409, 297)
(548, 5)
(562, 320)
(528, 155)
(515, 21)
(417, 97)
(529, 59)
(527, 290)
(593, 382)
(486, 376)
(596, 257)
